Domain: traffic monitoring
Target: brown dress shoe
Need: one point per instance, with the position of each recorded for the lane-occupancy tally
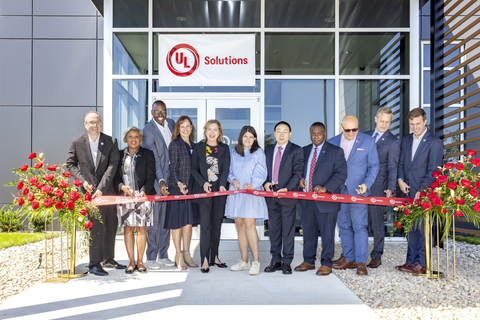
(374, 263)
(406, 265)
(304, 266)
(361, 269)
(418, 268)
(346, 265)
(324, 271)
(339, 261)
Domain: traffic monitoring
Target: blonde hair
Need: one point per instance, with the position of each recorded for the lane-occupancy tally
(220, 129)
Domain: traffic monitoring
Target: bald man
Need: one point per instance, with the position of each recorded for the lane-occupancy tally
(362, 166)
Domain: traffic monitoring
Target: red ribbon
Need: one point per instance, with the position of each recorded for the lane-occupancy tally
(342, 198)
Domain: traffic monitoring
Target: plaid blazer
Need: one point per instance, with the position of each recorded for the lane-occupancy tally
(180, 163)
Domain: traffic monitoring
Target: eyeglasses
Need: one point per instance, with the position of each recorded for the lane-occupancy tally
(91, 124)
(159, 112)
(350, 130)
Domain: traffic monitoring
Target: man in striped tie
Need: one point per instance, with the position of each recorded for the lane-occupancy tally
(325, 170)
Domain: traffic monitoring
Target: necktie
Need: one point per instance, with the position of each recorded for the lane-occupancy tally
(276, 167)
(375, 136)
(312, 168)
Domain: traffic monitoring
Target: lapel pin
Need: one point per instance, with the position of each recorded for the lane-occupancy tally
(101, 143)
(423, 140)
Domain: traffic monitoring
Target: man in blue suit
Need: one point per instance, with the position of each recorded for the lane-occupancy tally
(284, 166)
(363, 165)
(388, 148)
(324, 172)
(157, 135)
(421, 154)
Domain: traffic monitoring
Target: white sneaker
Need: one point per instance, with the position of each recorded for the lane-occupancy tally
(240, 265)
(255, 269)
(152, 264)
(166, 262)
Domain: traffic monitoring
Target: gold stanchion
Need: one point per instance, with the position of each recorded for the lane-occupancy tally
(52, 278)
(70, 272)
(429, 272)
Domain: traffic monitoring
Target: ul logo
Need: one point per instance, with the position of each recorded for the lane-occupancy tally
(118, 199)
(392, 201)
(334, 197)
(353, 199)
(314, 196)
(183, 60)
(373, 200)
(295, 194)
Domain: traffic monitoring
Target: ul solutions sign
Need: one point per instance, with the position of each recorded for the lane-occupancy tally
(207, 60)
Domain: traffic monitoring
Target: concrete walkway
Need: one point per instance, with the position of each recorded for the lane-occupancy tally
(168, 292)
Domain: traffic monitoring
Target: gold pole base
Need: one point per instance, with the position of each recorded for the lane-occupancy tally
(56, 280)
(430, 275)
(66, 274)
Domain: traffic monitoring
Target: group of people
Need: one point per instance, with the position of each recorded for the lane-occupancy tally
(164, 159)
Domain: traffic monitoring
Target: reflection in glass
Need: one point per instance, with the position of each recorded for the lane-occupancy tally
(385, 53)
(129, 106)
(130, 53)
(426, 56)
(232, 120)
(426, 87)
(130, 13)
(374, 13)
(299, 14)
(157, 88)
(299, 54)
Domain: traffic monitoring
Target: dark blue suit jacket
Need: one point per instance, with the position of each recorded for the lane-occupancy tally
(362, 163)
(388, 148)
(291, 168)
(417, 173)
(330, 172)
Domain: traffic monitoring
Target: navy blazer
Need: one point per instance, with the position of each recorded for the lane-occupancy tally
(144, 170)
(330, 172)
(388, 148)
(417, 173)
(291, 168)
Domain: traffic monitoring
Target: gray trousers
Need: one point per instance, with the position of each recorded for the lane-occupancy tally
(158, 238)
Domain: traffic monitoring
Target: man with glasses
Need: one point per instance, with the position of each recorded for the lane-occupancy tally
(93, 159)
(157, 135)
(362, 165)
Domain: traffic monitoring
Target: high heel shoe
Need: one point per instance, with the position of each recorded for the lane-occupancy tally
(188, 259)
(179, 262)
(205, 270)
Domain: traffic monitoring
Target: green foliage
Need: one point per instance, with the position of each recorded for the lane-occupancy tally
(18, 239)
(11, 220)
(473, 239)
(36, 223)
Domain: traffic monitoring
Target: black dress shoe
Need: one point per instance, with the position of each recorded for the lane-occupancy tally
(205, 270)
(130, 270)
(221, 265)
(113, 264)
(286, 268)
(98, 270)
(274, 266)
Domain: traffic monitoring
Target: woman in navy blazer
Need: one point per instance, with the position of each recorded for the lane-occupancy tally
(210, 165)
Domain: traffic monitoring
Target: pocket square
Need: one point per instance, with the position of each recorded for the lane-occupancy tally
(361, 149)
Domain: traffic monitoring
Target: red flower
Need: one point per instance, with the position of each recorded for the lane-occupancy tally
(435, 174)
(458, 213)
(459, 166)
(32, 181)
(63, 184)
(88, 225)
(432, 195)
(20, 201)
(67, 174)
(444, 210)
(426, 205)
(442, 179)
(35, 204)
(46, 189)
(410, 200)
(460, 201)
(473, 192)
(38, 165)
(407, 212)
(437, 201)
(475, 162)
(73, 195)
(58, 204)
(48, 202)
(25, 191)
(24, 167)
(471, 152)
(398, 225)
(477, 184)
(53, 167)
(465, 183)
(19, 185)
(423, 194)
(83, 212)
(48, 177)
(31, 196)
(59, 193)
(40, 185)
(448, 166)
(434, 185)
(69, 204)
(77, 182)
(476, 206)
(88, 197)
(32, 155)
(452, 185)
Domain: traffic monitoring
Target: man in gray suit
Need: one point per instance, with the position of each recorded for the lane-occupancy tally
(388, 148)
(157, 135)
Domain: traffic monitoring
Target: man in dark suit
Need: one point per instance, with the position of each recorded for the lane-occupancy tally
(362, 162)
(93, 159)
(324, 172)
(388, 148)
(157, 135)
(421, 154)
(284, 166)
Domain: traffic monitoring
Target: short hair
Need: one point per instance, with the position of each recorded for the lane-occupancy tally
(385, 110)
(239, 147)
(220, 129)
(158, 102)
(94, 112)
(318, 124)
(282, 122)
(176, 130)
(417, 112)
(127, 131)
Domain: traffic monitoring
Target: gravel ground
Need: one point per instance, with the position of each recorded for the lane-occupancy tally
(27, 269)
(393, 294)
